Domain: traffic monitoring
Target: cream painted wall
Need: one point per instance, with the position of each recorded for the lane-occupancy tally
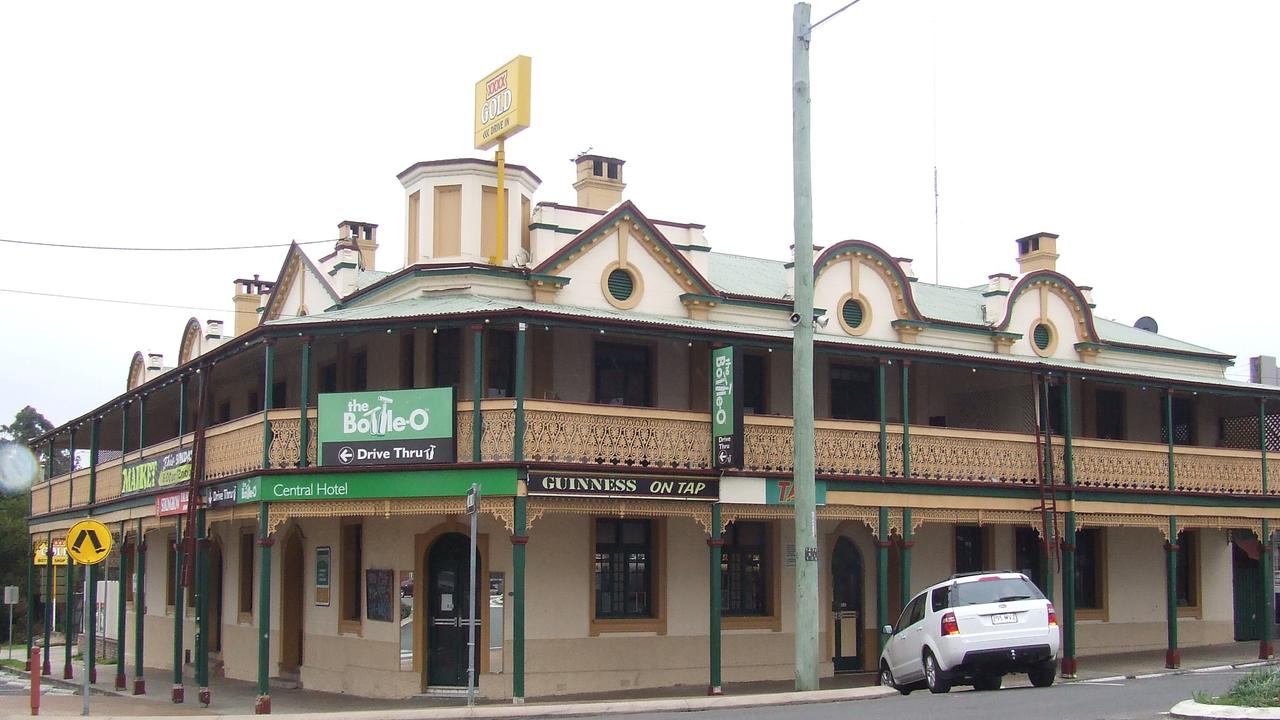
(1024, 315)
(571, 374)
(661, 293)
(671, 375)
(835, 281)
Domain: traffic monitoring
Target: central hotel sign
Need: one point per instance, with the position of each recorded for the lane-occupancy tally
(389, 427)
(564, 485)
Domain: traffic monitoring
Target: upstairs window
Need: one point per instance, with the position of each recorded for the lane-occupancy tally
(853, 393)
(622, 374)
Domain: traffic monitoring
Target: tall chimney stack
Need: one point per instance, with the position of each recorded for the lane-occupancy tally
(599, 182)
(1037, 252)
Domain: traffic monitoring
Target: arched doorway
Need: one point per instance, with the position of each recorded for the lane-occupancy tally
(291, 604)
(215, 597)
(847, 591)
(448, 594)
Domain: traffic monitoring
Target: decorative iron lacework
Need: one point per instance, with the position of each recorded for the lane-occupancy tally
(501, 508)
(620, 507)
(978, 516)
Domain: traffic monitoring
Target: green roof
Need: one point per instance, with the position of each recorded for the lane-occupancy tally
(742, 275)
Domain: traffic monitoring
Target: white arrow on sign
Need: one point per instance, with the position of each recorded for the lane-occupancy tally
(346, 455)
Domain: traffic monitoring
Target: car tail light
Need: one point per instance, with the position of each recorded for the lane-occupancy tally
(949, 626)
(1053, 616)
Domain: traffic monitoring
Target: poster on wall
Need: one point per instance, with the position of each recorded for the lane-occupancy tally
(324, 561)
(378, 598)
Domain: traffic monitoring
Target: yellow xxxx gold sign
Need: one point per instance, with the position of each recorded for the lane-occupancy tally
(502, 102)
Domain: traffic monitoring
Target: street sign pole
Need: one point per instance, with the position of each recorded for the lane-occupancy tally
(473, 507)
(84, 710)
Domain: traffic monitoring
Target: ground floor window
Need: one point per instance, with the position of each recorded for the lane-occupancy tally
(1188, 580)
(352, 569)
(744, 570)
(1026, 555)
(970, 556)
(245, 588)
(624, 565)
(170, 571)
(1091, 591)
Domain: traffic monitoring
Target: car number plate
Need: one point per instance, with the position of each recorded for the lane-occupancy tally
(1004, 618)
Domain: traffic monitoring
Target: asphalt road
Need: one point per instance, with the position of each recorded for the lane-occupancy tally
(1130, 699)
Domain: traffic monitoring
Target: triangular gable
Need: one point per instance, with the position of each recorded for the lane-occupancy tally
(289, 291)
(680, 270)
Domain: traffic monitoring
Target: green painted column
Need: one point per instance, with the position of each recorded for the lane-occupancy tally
(263, 704)
(1068, 616)
(31, 599)
(907, 542)
(139, 610)
(50, 570)
(69, 620)
(48, 472)
(1047, 526)
(202, 609)
(1168, 424)
(882, 541)
(1172, 656)
(882, 579)
(268, 375)
(91, 634)
(477, 389)
(179, 610)
(304, 422)
(1265, 646)
(121, 579)
(716, 545)
(519, 539)
(142, 423)
(518, 444)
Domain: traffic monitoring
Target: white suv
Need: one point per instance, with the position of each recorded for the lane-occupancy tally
(972, 629)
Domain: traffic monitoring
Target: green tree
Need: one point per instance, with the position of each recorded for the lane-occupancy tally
(28, 425)
(15, 540)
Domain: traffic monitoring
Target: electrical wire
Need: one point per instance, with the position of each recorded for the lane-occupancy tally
(118, 302)
(164, 249)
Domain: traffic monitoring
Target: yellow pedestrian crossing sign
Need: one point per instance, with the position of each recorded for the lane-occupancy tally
(89, 542)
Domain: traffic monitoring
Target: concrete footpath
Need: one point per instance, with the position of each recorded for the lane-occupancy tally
(233, 698)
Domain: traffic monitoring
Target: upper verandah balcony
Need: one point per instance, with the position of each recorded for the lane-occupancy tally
(628, 401)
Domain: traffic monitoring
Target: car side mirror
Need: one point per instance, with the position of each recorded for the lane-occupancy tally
(887, 629)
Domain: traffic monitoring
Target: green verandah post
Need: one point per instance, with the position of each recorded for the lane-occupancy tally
(1068, 618)
(882, 539)
(907, 542)
(263, 704)
(139, 610)
(1172, 656)
(1266, 647)
(179, 610)
(121, 579)
(477, 389)
(519, 538)
(716, 544)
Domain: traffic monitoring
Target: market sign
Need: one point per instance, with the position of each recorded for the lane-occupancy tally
(564, 485)
(173, 504)
(502, 102)
(387, 427)
(172, 468)
(726, 409)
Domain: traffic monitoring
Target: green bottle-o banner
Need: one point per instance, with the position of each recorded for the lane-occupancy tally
(726, 409)
(387, 427)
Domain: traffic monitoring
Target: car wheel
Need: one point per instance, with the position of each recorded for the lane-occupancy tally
(1043, 674)
(987, 682)
(886, 679)
(934, 676)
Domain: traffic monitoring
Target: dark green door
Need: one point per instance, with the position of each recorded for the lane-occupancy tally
(1246, 581)
(847, 590)
(448, 593)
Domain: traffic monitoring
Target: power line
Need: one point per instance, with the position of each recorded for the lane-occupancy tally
(164, 249)
(119, 302)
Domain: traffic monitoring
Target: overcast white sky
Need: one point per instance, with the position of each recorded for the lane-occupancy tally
(1143, 132)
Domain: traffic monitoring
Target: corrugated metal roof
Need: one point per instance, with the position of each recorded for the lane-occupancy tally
(452, 303)
(742, 275)
(1121, 333)
(950, 304)
(368, 277)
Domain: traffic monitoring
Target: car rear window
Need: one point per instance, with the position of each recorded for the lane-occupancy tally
(994, 590)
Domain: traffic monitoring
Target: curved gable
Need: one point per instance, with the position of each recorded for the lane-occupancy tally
(189, 348)
(863, 290)
(137, 371)
(1049, 299)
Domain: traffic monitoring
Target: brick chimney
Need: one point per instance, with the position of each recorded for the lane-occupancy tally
(1037, 252)
(248, 300)
(213, 329)
(599, 182)
(364, 235)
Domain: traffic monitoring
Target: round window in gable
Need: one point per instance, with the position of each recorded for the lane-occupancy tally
(854, 314)
(1044, 338)
(621, 285)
